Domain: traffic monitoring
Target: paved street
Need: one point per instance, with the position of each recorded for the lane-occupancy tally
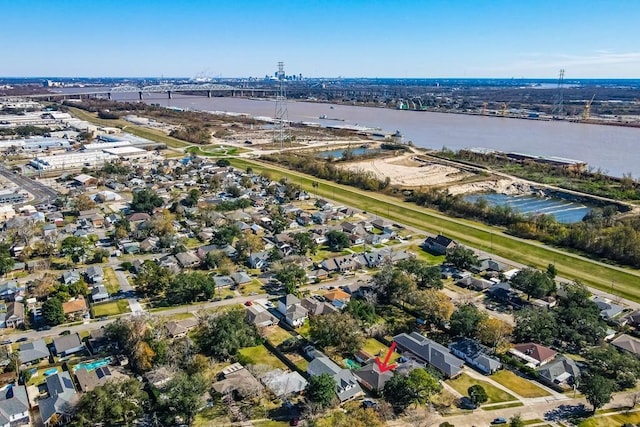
(41, 193)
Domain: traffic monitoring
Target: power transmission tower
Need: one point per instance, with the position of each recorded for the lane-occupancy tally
(282, 116)
(558, 103)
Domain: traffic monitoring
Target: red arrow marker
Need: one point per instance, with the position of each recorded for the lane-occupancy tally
(384, 366)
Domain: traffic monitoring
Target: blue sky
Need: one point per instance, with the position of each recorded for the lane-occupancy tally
(349, 38)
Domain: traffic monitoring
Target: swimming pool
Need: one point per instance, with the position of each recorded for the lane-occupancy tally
(50, 372)
(352, 364)
(93, 365)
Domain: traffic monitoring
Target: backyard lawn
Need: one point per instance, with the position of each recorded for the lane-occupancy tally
(305, 329)
(375, 347)
(519, 385)
(111, 308)
(462, 383)
(259, 355)
(110, 280)
(276, 335)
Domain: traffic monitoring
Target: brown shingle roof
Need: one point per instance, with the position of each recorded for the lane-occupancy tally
(79, 304)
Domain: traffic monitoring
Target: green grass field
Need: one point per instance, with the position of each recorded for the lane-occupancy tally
(111, 308)
(519, 385)
(462, 383)
(616, 420)
(259, 355)
(571, 266)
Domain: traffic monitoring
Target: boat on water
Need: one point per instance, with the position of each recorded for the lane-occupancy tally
(324, 117)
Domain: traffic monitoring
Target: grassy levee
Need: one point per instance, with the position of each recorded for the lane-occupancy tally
(590, 272)
(142, 132)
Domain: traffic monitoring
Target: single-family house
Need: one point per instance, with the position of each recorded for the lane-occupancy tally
(608, 309)
(439, 245)
(95, 274)
(14, 406)
(97, 341)
(560, 372)
(15, 315)
(476, 355)
(488, 264)
(241, 278)
(340, 263)
(337, 297)
(427, 351)
(371, 378)
(61, 399)
(160, 377)
(282, 383)
(88, 380)
(260, 316)
(347, 386)
(259, 259)
(532, 353)
(33, 352)
(179, 328)
(188, 259)
(223, 281)
(383, 225)
(67, 344)
(71, 276)
(75, 307)
(292, 310)
(8, 290)
(99, 293)
(627, 343)
(318, 308)
(237, 380)
(475, 283)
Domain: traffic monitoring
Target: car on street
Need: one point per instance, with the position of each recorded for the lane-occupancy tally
(499, 420)
(5, 342)
(248, 303)
(23, 339)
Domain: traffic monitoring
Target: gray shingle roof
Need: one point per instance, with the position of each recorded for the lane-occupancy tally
(34, 350)
(431, 352)
(62, 396)
(13, 401)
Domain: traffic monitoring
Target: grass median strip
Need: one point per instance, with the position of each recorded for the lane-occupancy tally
(623, 281)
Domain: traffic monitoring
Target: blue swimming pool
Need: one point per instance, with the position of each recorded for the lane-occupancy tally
(90, 366)
(50, 371)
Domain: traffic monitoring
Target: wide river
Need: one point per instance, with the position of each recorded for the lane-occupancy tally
(615, 150)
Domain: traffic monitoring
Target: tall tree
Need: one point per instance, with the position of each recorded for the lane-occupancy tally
(291, 276)
(433, 306)
(597, 389)
(145, 200)
(76, 247)
(303, 243)
(466, 320)
(223, 335)
(494, 332)
(461, 257)
(321, 390)
(339, 330)
(52, 312)
(534, 283)
(425, 275)
(114, 403)
(183, 397)
(337, 240)
(6, 260)
(477, 394)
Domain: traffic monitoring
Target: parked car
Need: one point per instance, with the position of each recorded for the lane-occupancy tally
(248, 303)
(499, 420)
(466, 403)
(5, 342)
(23, 339)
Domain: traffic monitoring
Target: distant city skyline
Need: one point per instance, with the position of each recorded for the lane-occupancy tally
(331, 38)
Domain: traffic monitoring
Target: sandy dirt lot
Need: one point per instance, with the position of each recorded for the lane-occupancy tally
(406, 171)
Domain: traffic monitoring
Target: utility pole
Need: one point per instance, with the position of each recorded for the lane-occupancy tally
(558, 104)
